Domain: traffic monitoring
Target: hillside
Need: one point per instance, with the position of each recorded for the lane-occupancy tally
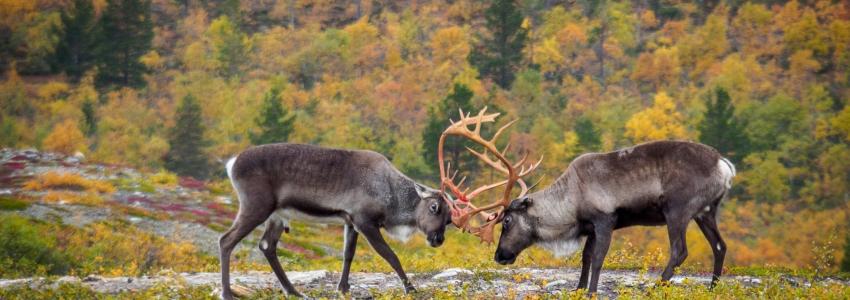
(128, 107)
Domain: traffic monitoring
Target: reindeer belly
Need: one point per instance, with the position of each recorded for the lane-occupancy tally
(646, 215)
(288, 214)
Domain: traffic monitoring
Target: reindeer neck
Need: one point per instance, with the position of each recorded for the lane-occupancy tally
(555, 204)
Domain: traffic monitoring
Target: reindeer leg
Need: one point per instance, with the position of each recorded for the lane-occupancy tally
(373, 235)
(242, 226)
(708, 225)
(348, 256)
(586, 258)
(602, 231)
(268, 245)
(256, 204)
(676, 228)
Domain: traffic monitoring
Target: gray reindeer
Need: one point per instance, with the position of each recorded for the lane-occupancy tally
(362, 190)
(658, 183)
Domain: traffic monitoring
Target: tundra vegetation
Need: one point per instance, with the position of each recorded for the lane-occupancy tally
(765, 82)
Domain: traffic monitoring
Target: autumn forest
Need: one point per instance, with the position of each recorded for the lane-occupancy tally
(178, 86)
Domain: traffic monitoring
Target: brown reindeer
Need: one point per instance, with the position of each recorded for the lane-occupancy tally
(659, 183)
(361, 190)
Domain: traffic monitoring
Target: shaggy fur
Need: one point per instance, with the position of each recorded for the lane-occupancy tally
(658, 183)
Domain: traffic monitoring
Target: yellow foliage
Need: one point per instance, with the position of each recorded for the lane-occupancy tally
(153, 60)
(659, 122)
(647, 19)
(68, 181)
(164, 178)
(67, 138)
(105, 249)
(841, 123)
(82, 198)
(450, 45)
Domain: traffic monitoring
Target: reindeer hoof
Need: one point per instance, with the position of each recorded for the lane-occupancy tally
(343, 288)
(409, 289)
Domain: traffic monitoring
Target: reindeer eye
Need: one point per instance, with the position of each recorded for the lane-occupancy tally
(506, 222)
(435, 208)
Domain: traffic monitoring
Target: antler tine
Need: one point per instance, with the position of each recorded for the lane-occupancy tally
(461, 181)
(521, 161)
(532, 167)
(502, 129)
(507, 146)
(483, 156)
(480, 117)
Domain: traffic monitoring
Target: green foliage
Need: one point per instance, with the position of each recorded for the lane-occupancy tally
(229, 45)
(501, 51)
(9, 135)
(845, 263)
(25, 251)
(75, 53)
(124, 33)
(588, 134)
(775, 122)
(275, 122)
(89, 121)
(438, 119)
(719, 127)
(7, 203)
(187, 154)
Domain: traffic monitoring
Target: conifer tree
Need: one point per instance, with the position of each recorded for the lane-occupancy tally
(275, 122)
(124, 34)
(75, 50)
(89, 118)
(720, 129)
(438, 119)
(500, 53)
(186, 155)
(588, 135)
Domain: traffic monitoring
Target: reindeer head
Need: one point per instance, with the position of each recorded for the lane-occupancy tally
(518, 231)
(462, 208)
(432, 214)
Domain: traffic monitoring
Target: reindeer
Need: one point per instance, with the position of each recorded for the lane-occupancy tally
(658, 183)
(361, 190)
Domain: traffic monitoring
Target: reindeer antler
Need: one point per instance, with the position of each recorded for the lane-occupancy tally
(462, 208)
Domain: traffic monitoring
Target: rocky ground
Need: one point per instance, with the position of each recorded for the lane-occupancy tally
(191, 211)
(322, 283)
(185, 212)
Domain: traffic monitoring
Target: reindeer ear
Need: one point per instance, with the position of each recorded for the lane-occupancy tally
(520, 204)
(423, 191)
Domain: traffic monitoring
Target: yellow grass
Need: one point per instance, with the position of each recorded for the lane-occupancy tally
(67, 181)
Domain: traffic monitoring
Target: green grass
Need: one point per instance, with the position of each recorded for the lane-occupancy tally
(8, 203)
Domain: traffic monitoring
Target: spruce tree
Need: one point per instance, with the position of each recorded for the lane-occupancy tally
(500, 53)
(89, 118)
(74, 52)
(720, 129)
(438, 119)
(124, 35)
(186, 155)
(588, 136)
(275, 122)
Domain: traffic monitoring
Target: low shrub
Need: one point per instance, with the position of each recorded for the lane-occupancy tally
(8, 203)
(83, 198)
(26, 251)
(164, 178)
(67, 181)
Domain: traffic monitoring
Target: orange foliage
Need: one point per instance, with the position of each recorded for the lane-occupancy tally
(67, 181)
(66, 138)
